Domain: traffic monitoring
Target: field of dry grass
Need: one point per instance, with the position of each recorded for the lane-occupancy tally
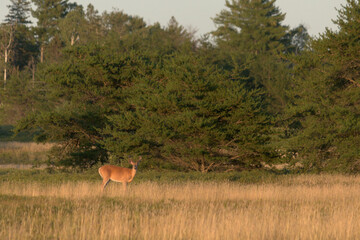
(295, 207)
(23, 152)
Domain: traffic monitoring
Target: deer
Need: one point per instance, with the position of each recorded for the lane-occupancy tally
(118, 174)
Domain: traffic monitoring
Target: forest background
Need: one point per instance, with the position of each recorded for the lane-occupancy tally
(252, 94)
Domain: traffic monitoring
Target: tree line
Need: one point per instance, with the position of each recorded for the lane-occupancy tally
(253, 92)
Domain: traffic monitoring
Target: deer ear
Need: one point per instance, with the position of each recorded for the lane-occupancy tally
(131, 162)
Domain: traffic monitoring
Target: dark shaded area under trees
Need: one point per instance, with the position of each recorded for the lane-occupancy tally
(251, 93)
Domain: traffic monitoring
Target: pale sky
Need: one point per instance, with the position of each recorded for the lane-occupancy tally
(316, 15)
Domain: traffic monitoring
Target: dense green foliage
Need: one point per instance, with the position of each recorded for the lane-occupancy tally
(251, 93)
(192, 115)
(324, 126)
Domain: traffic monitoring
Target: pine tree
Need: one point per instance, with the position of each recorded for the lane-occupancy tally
(48, 14)
(252, 27)
(74, 28)
(178, 36)
(7, 33)
(22, 48)
(191, 115)
(81, 91)
(324, 127)
(251, 37)
(94, 29)
(19, 12)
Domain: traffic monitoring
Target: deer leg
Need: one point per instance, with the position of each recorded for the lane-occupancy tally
(105, 182)
(124, 186)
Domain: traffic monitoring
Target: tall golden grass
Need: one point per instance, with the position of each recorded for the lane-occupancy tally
(23, 152)
(25, 146)
(298, 207)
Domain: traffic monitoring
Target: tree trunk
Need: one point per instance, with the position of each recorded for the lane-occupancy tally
(33, 70)
(42, 53)
(5, 67)
(202, 166)
(5, 78)
(7, 51)
(72, 40)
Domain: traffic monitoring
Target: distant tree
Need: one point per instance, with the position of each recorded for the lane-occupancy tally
(18, 51)
(252, 27)
(7, 36)
(20, 97)
(163, 41)
(48, 14)
(179, 36)
(19, 11)
(297, 40)
(73, 27)
(94, 30)
(251, 39)
(22, 47)
(122, 32)
(121, 24)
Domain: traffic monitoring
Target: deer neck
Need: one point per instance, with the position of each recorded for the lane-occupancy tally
(133, 172)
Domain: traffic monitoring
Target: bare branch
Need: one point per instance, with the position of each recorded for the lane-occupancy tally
(353, 81)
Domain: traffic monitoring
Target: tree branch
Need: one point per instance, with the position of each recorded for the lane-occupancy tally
(353, 81)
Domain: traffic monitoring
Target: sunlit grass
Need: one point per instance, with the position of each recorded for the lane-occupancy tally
(23, 152)
(294, 207)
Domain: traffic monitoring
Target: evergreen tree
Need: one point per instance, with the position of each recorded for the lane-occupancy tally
(94, 29)
(297, 40)
(19, 11)
(7, 33)
(172, 39)
(18, 50)
(324, 127)
(23, 43)
(251, 37)
(121, 24)
(178, 36)
(81, 91)
(18, 45)
(191, 115)
(252, 27)
(123, 33)
(161, 41)
(48, 14)
(74, 28)
(19, 98)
